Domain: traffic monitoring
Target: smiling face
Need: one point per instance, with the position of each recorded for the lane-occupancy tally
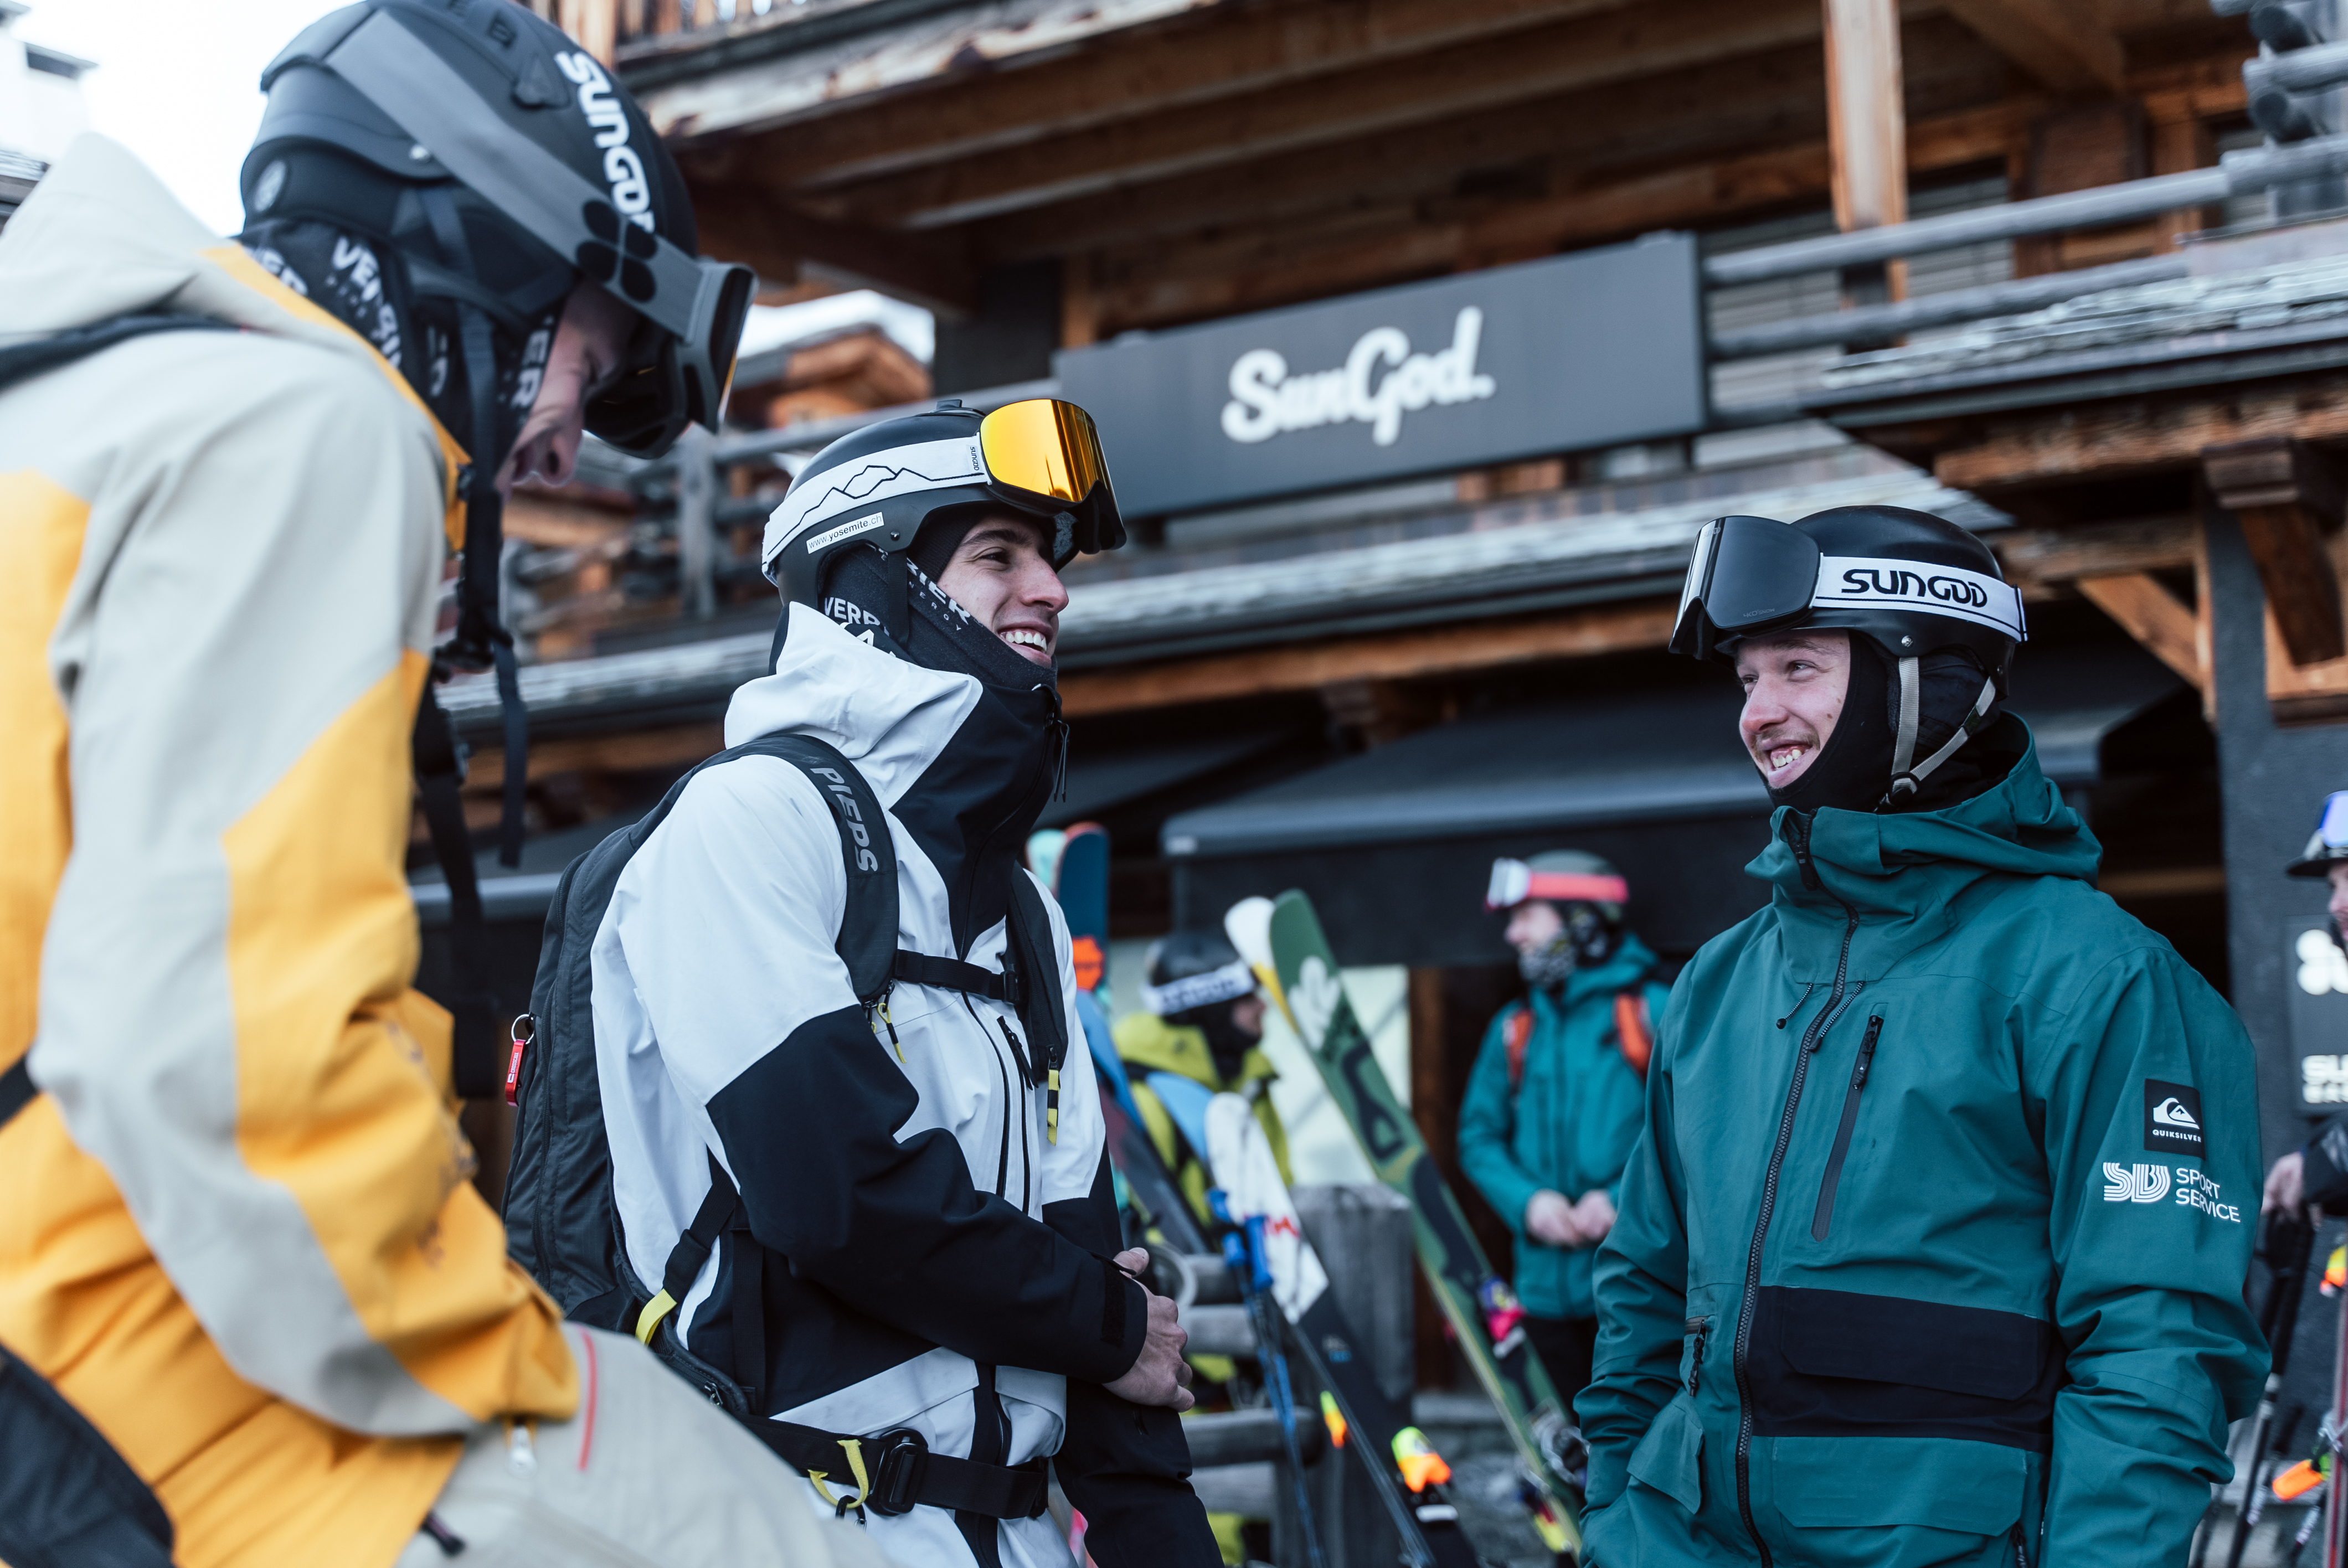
(588, 345)
(1001, 575)
(1794, 688)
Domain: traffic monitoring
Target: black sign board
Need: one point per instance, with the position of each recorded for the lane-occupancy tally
(1593, 349)
(2318, 981)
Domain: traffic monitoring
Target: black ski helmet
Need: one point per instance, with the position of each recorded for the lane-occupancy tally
(1039, 458)
(502, 162)
(1912, 582)
(1187, 970)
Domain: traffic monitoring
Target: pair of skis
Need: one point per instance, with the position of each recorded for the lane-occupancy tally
(1281, 1276)
(1285, 943)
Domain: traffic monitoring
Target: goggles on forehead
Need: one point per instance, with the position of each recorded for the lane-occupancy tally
(1750, 575)
(1047, 453)
(1513, 882)
(1229, 983)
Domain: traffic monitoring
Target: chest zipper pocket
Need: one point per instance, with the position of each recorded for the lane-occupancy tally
(1698, 1330)
(1820, 1221)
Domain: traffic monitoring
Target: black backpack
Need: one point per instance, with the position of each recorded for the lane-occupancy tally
(561, 1223)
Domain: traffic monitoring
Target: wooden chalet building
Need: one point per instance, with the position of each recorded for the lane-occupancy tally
(2030, 264)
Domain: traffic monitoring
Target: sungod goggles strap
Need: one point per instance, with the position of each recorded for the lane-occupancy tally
(700, 304)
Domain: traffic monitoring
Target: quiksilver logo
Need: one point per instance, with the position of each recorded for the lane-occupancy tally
(2171, 1112)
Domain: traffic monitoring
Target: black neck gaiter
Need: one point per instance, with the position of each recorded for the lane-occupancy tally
(1853, 769)
(975, 805)
(364, 284)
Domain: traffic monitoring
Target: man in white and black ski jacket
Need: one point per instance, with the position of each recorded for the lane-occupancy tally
(935, 1224)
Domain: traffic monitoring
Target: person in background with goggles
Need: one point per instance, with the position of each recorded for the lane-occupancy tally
(242, 1241)
(1552, 1104)
(2314, 1177)
(928, 1204)
(1933, 1252)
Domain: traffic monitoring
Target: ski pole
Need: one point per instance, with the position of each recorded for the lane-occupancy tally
(2289, 1240)
(1243, 1253)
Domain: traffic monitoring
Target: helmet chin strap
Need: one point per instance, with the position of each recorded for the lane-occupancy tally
(1905, 778)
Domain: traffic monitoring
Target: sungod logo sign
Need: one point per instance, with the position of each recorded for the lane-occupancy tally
(1266, 400)
(1588, 350)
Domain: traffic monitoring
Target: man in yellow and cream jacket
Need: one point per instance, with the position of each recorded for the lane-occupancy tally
(239, 1238)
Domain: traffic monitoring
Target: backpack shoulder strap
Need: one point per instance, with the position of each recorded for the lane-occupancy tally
(24, 360)
(1517, 1033)
(1035, 958)
(867, 930)
(1634, 1030)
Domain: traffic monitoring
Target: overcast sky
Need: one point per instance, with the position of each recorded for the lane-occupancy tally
(179, 83)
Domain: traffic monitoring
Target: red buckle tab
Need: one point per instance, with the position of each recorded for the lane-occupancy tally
(524, 1029)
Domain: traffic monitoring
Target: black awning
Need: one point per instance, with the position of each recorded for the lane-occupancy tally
(1099, 780)
(1394, 845)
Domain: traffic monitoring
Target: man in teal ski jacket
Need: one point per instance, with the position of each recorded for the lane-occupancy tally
(1553, 1105)
(1933, 1250)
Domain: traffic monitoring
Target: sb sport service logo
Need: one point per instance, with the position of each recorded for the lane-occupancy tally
(2144, 1184)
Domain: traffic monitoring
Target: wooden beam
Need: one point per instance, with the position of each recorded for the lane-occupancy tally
(1220, 276)
(1464, 165)
(2137, 434)
(791, 85)
(1866, 117)
(2154, 617)
(1313, 667)
(1218, 56)
(626, 751)
(2058, 42)
(2045, 560)
(761, 231)
(2286, 497)
(1638, 41)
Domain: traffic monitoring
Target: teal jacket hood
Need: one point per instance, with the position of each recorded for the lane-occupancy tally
(1907, 874)
(1932, 1246)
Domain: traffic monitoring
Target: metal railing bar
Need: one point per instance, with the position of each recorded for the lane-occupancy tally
(2239, 173)
(1874, 321)
(756, 443)
(2300, 71)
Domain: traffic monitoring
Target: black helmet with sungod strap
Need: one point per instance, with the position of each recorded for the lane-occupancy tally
(1915, 585)
(483, 110)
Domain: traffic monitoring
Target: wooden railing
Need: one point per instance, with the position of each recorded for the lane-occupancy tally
(602, 26)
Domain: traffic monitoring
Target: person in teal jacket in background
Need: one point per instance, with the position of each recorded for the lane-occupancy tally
(1553, 1105)
(1933, 1252)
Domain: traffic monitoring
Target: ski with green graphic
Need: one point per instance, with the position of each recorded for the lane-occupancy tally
(1286, 938)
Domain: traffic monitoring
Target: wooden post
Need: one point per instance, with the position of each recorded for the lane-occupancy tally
(1866, 127)
(2288, 497)
(697, 533)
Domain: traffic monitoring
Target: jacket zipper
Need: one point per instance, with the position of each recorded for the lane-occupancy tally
(1797, 838)
(1825, 1215)
(1697, 1328)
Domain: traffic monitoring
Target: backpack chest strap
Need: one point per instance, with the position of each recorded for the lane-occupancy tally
(954, 975)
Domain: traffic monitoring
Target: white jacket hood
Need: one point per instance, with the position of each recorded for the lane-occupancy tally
(889, 717)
